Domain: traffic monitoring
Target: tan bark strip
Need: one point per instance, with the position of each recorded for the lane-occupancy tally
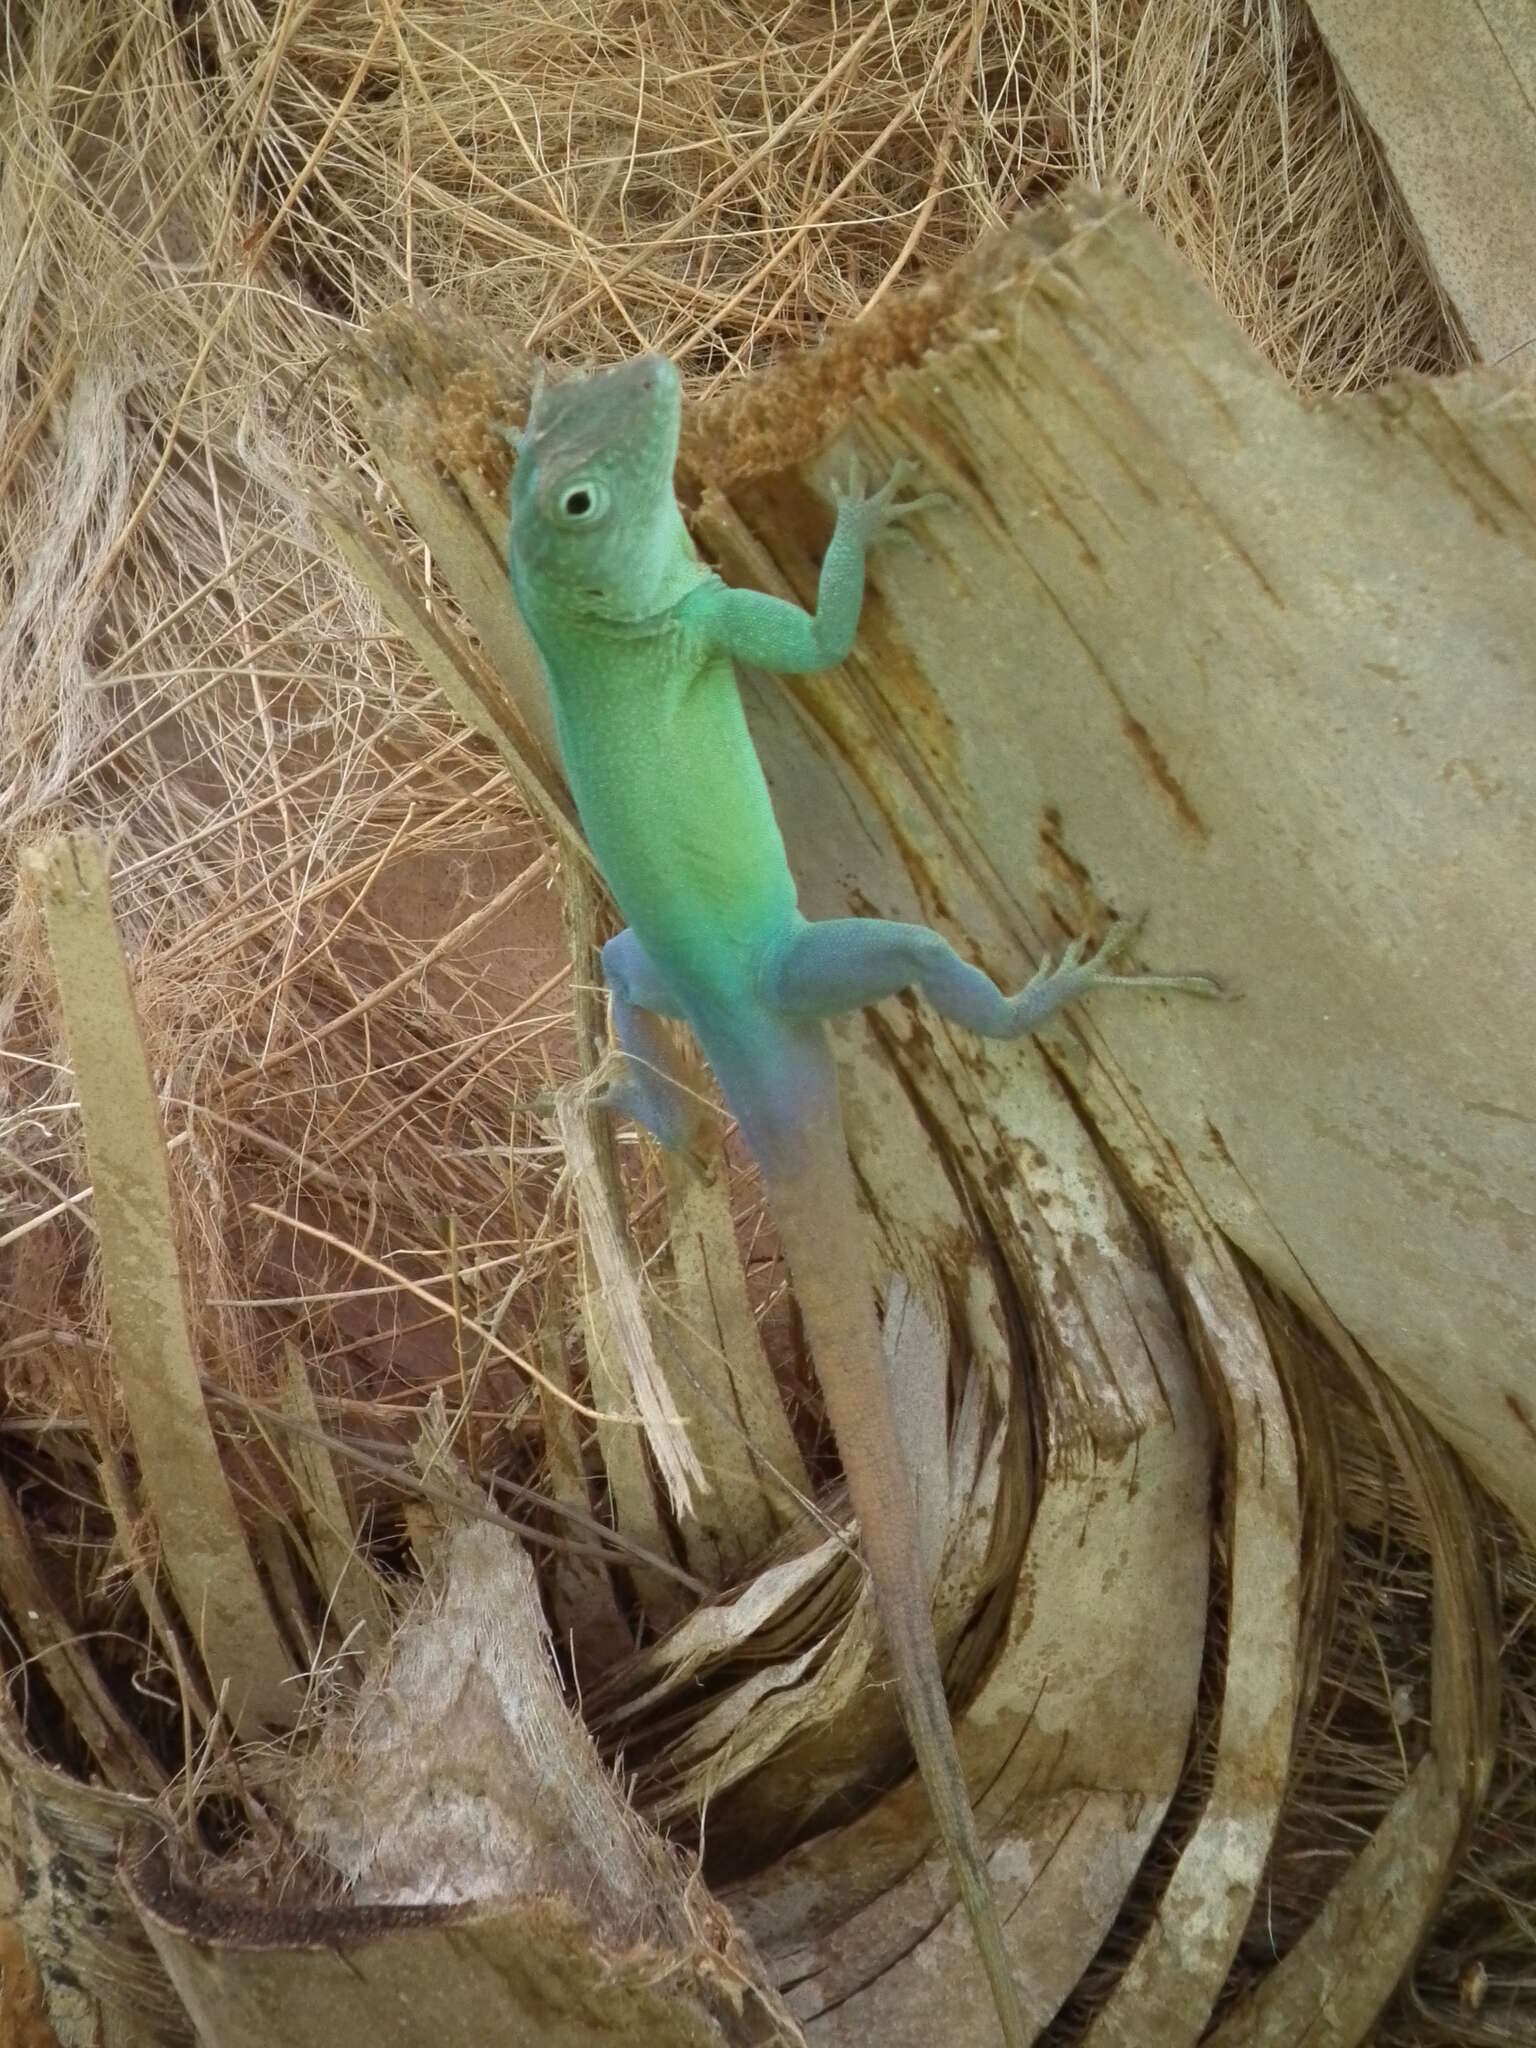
(185, 1489)
(627, 1385)
(1155, 544)
(528, 1970)
(134, 1537)
(500, 1874)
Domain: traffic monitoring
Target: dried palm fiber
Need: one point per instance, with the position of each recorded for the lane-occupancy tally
(195, 205)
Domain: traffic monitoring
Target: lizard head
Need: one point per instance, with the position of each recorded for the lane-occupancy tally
(595, 527)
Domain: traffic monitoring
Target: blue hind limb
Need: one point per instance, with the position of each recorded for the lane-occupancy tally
(653, 1088)
(845, 963)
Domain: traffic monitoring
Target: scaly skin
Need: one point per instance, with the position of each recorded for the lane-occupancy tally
(638, 640)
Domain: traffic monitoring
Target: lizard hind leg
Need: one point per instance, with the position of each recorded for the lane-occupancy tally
(844, 963)
(654, 1089)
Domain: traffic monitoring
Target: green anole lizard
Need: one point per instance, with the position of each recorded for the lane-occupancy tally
(638, 639)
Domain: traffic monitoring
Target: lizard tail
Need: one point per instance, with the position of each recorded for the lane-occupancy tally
(813, 1198)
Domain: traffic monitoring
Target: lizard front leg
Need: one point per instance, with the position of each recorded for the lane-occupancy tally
(770, 632)
(845, 963)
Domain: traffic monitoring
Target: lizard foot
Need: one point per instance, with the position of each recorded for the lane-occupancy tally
(671, 1116)
(1050, 989)
(880, 514)
(682, 1137)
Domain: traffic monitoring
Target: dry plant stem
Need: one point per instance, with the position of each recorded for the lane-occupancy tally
(816, 1212)
(582, 1597)
(609, 1267)
(356, 1604)
(581, 898)
(1171, 1984)
(1331, 1986)
(608, 1546)
(126, 1518)
(622, 1368)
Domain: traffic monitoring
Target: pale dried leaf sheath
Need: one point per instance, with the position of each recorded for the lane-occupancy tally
(582, 1597)
(1464, 153)
(1328, 1989)
(722, 1629)
(626, 1378)
(1266, 669)
(508, 1892)
(252, 1976)
(709, 1349)
(766, 1712)
(357, 1607)
(465, 1774)
(184, 1486)
(621, 1359)
(1172, 1982)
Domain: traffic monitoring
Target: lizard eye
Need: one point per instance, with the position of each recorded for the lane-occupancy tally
(583, 501)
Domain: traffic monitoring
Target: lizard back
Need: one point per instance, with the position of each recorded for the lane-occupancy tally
(672, 797)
